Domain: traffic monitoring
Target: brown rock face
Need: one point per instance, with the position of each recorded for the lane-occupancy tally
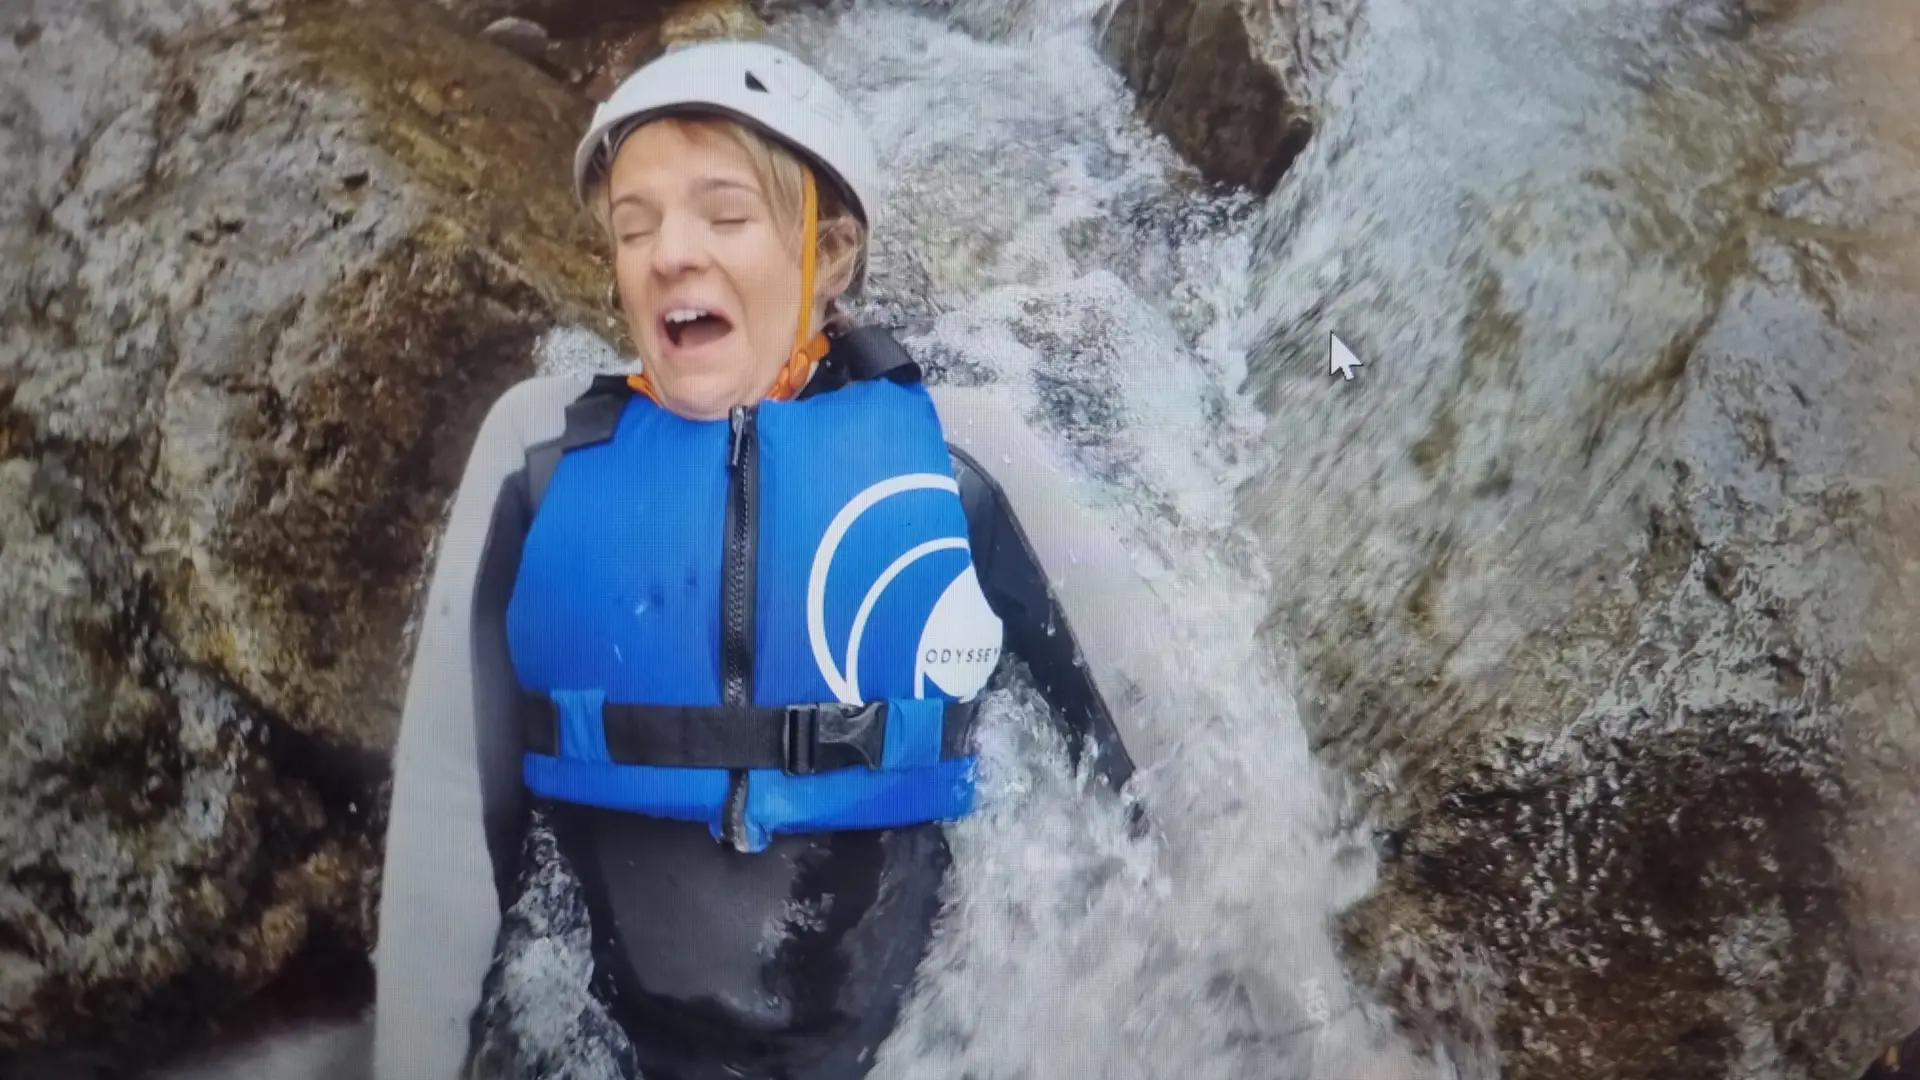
(262, 275)
(560, 18)
(593, 44)
(1201, 78)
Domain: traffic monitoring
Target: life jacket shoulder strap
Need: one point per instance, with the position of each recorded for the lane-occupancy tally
(591, 418)
(872, 352)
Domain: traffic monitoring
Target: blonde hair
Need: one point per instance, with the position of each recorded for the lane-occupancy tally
(841, 238)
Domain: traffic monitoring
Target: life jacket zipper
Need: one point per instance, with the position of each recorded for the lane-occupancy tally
(738, 568)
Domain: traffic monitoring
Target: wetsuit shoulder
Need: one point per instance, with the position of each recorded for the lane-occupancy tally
(455, 799)
(1037, 628)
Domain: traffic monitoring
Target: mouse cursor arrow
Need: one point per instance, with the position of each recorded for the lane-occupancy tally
(1340, 359)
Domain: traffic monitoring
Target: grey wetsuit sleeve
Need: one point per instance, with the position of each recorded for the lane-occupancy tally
(1036, 626)
(455, 802)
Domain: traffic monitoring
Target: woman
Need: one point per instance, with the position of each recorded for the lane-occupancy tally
(720, 623)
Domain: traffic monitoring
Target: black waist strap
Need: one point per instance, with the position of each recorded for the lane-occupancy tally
(798, 739)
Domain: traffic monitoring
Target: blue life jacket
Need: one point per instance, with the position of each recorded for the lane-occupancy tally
(769, 623)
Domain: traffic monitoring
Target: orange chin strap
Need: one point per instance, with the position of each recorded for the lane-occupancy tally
(807, 349)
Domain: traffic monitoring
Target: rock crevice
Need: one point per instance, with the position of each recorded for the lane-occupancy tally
(1228, 82)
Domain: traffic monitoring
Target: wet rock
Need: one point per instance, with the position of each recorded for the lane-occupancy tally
(262, 276)
(592, 46)
(1607, 586)
(561, 18)
(1204, 77)
(519, 36)
(596, 18)
(597, 62)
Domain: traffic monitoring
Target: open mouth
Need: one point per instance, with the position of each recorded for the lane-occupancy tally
(691, 328)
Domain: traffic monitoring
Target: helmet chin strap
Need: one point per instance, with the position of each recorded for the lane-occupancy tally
(808, 347)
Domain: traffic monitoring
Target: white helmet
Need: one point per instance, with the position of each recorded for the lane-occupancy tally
(748, 81)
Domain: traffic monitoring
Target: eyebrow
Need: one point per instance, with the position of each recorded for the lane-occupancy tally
(703, 187)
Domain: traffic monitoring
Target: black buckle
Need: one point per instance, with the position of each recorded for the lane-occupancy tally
(820, 738)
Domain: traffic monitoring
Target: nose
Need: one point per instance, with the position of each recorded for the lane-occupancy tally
(679, 246)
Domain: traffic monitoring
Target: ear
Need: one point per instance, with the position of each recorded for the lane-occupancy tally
(838, 257)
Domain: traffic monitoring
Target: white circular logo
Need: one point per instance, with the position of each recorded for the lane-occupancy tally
(960, 642)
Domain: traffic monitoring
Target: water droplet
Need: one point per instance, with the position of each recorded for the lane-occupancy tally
(617, 656)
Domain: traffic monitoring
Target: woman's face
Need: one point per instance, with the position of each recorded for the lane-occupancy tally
(709, 285)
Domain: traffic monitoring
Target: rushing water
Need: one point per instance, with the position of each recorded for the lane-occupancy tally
(1071, 263)
(1563, 175)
